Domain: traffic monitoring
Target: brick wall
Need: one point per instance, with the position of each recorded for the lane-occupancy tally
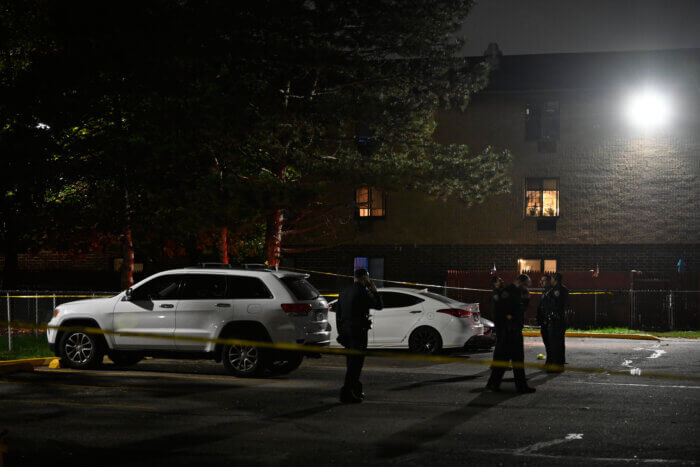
(62, 261)
(429, 263)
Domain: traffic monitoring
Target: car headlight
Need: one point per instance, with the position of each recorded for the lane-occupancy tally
(56, 312)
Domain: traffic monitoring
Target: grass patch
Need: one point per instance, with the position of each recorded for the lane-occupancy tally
(686, 334)
(25, 347)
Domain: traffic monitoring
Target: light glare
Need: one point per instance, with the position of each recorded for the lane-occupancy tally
(648, 109)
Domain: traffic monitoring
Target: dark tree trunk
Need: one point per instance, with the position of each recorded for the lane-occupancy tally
(273, 238)
(127, 279)
(224, 245)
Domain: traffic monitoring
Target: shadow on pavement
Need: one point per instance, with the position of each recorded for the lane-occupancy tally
(454, 379)
(412, 438)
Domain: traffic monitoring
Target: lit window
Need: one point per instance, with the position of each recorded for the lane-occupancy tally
(537, 265)
(542, 197)
(370, 202)
(550, 265)
(529, 265)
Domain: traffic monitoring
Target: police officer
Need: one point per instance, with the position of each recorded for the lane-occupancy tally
(497, 287)
(542, 308)
(511, 303)
(352, 321)
(556, 316)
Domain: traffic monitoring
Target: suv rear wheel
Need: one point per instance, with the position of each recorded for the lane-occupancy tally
(81, 350)
(243, 361)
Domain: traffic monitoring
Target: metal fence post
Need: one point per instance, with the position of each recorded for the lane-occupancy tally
(36, 316)
(595, 308)
(9, 327)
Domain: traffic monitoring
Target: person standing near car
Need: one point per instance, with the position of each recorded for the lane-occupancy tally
(542, 307)
(510, 317)
(556, 317)
(352, 321)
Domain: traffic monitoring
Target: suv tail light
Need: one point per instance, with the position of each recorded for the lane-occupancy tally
(456, 312)
(296, 307)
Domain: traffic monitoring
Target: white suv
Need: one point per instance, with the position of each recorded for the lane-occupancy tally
(252, 304)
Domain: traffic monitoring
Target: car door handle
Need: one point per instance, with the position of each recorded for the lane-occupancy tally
(415, 311)
(223, 305)
(167, 305)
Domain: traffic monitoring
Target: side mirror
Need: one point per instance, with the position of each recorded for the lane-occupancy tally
(127, 294)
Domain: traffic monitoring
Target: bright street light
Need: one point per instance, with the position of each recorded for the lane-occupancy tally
(648, 109)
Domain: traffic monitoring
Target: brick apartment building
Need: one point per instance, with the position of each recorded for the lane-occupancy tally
(594, 183)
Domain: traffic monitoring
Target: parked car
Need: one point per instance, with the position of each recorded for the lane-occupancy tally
(201, 303)
(487, 340)
(420, 321)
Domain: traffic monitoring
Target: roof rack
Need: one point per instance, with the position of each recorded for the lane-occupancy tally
(257, 266)
(249, 266)
(214, 266)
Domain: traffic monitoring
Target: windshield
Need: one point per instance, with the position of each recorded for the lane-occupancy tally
(439, 298)
(301, 288)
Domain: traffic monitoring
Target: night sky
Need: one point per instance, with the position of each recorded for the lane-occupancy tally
(555, 26)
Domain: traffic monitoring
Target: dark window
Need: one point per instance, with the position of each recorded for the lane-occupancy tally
(531, 115)
(398, 300)
(370, 202)
(542, 197)
(300, 288)
(550, 121)
(203, 287)
(542, 125)
(440, 298)
(247, 287)
(159, 288)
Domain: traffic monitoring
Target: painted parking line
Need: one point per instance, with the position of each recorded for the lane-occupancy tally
(164, 375)
(676, 386)
(84, 386)
(78, 404)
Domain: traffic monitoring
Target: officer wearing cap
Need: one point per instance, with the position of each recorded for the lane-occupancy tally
(556, 316)
(352, 321)
(509, 316)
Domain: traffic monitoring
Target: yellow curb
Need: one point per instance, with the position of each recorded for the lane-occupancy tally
(600, 335)
(25, 364)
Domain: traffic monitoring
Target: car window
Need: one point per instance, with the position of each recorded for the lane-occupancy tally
(439, 298)
(301, 288)
(159, 288)
(398, 300)
(247, 287)
(203, 286)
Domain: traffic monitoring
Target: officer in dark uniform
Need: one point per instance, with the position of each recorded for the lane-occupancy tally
(511, 303)
(542, 307)
(556, 317)
(496, 288)
(352, 321)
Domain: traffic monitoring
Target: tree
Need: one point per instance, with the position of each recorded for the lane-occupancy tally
(304, 76)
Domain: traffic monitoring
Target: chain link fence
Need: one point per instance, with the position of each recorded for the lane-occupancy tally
(649, 310)
(36, 307)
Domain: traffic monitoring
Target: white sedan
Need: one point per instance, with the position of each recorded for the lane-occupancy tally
(419, 320)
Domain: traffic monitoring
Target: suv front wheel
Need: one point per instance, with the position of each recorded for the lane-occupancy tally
(243, 361)
(81, 350)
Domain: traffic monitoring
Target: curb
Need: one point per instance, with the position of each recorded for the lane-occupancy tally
(25, 364)
(600, 335)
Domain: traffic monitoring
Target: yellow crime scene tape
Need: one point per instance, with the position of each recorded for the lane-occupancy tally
(420, 284)
(58, 296)
(288, 346)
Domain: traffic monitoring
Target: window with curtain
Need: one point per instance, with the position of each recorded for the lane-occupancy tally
(542, 197)
(370, 202)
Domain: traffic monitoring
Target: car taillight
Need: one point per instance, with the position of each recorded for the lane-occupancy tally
(456, 312)
(296, 307)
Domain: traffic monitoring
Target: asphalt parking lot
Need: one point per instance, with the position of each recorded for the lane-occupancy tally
(164, 412)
